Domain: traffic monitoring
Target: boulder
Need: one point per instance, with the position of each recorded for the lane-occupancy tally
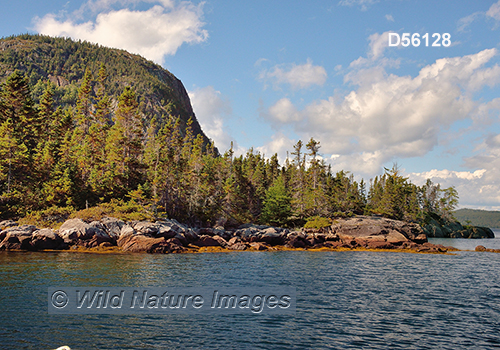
(126, 230)
(481, 232)
(113, 227)
(238, 246)
(377, 229)
(75, 230)
(206, 241)
(46, 239)
(143, 244)
(296, 240)
(234, 240)
(222, 242)
(168, 229)
(172, 228)
(380, 245)
(258, 246)
(16, 240)
(146, 228)
(261, 233)
(17, 237)
(7, 223)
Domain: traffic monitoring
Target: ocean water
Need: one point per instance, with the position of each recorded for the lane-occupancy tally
(345, 300)
(470, 244)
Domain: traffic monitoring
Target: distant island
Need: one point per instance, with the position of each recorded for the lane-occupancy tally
(90, 132)
(478, 217)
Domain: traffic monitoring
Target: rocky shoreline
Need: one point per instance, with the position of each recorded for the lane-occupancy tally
(170, 236)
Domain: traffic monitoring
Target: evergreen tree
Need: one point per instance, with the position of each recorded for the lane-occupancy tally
(277, 207)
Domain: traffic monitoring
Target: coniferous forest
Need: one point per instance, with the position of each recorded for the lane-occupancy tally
(64, 149)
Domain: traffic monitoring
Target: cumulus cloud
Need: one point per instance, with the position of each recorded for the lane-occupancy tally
(153, 33)
(389, 116)
(477, 189)
(283, 112)
(211, 110)
(297, 76)
(279, 145)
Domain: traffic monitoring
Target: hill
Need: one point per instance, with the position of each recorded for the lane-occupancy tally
(115, 133)
(478, 217)
(64, 62)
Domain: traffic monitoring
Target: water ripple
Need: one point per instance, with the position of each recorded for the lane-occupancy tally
(345, 300)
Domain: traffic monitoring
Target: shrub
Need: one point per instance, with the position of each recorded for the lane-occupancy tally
(52, 217)
(317, 222)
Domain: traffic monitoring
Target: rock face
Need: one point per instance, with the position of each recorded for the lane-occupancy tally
(375, 232)
(17, 237)
(47, 239)
(78, 232)
(455, 230)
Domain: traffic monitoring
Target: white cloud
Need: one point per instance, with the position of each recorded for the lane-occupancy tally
(153, 33)
(389, 18)
(211, 110)
(494, 11)
(364, 4)
(298, 76)
(463, 23)
(389, 116)
(378, 43)
(476, 189)
(284, 112)
(279, 144)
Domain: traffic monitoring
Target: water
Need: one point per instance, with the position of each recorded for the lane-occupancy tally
(470, 244)
(345, 300)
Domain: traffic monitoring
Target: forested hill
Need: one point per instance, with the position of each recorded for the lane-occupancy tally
(114, 133)
(476, 217)
(64, 63)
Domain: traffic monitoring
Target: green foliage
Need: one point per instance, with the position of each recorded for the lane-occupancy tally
(86, 146)
(124, 210)
(70, 64)
(475, 217)
(51, 217)
(317, 222)
(277, 207)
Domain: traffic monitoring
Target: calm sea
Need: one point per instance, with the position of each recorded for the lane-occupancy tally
(345, 300)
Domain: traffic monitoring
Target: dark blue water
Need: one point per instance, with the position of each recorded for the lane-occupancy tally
(345, 300)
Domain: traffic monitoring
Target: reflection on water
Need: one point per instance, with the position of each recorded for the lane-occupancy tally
(345, 300)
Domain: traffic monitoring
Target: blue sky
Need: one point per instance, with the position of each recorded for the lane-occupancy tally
(265, 74)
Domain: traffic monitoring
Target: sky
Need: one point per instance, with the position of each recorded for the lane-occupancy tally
(265, 74)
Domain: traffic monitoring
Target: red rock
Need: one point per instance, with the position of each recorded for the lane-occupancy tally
(206, 241)
(237, 246)
(258, 246)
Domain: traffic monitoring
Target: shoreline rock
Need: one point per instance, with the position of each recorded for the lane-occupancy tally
(169, 236)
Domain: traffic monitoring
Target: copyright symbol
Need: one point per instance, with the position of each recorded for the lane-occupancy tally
(59, 299)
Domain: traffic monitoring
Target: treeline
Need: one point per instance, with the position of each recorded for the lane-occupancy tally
(484, 218)
(92, 153)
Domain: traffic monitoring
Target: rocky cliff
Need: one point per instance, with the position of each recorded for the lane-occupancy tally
(63, 62)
